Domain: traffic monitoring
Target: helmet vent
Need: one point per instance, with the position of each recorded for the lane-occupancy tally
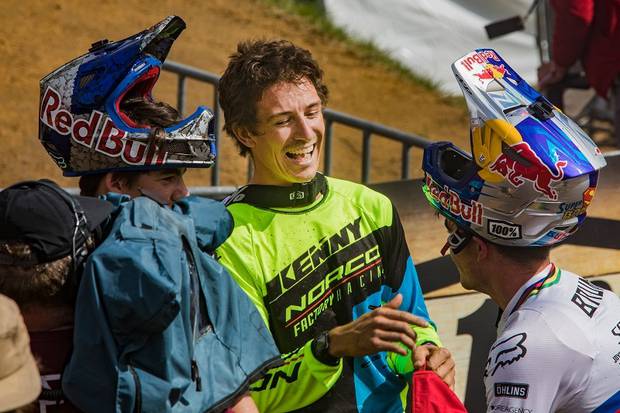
(541, 109)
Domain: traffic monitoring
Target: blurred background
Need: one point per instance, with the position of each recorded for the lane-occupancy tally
(385, 61)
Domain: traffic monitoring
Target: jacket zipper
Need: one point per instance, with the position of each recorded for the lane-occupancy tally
(136, 379)
(195, 310)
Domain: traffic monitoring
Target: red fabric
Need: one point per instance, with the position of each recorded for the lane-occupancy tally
(588, 30)
(52, 350)
(432, 395)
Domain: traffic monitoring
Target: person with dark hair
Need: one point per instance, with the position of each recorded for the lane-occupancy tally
(45, 235)
(166, 185)
(160, 326)
(324, 260)
(526, 186)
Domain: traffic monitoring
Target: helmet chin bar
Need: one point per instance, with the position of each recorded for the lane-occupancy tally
(83, 127)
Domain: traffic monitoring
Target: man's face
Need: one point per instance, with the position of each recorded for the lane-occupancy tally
(464, 259)
(290, 131)
(164, 186)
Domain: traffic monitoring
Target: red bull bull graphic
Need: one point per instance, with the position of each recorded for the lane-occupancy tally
(508, 166)
(449, 200)
(491, 72)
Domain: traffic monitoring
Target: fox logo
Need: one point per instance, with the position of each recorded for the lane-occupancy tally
(505, 353)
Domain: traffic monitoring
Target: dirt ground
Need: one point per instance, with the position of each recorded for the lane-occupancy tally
(38, 36)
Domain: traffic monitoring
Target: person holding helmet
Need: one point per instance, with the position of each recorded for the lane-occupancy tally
(526, 186)
(160, 326)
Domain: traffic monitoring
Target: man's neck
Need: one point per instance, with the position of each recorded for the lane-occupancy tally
(511, 278)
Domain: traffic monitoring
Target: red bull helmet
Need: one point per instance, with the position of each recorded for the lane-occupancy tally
(532, 171)
(83, 128)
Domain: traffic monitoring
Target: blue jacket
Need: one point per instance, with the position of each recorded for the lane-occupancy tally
(160, 326)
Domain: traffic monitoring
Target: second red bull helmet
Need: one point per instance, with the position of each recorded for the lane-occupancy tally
(532, 171)
(83, 128)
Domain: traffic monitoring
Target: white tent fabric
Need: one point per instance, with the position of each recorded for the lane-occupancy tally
(428, 35)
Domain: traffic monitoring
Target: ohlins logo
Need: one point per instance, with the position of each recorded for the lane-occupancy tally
(311, 259)
(451, 201)
(96, 131)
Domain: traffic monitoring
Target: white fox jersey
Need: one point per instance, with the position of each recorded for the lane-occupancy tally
(558, 348)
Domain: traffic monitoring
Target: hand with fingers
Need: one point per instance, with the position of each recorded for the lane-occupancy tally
(437, 359)
(382, 329)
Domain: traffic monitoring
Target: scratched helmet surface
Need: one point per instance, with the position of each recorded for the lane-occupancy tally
(82, 126)
(531, 173)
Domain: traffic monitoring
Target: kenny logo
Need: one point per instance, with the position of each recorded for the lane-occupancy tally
(317, 254)
(505, 353)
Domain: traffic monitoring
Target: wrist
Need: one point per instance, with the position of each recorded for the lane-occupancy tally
(322, 349)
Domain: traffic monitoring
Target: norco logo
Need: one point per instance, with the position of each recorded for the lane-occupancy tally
(516, 390)
(98, 132)
(503, 229)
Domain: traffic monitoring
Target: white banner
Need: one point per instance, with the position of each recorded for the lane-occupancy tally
(428, 35)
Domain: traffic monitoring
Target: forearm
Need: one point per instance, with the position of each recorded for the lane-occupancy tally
(298, 382)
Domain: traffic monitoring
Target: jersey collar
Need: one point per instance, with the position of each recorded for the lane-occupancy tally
(549, 276)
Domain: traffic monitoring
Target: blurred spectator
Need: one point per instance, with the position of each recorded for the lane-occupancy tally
(586, 31)
(45, 235)
(20, 383)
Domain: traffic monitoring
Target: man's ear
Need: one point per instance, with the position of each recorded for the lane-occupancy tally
(113, 182)
(245, 137)
(482, 249)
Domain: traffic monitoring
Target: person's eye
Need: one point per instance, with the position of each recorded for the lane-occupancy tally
(283, 121)
(313, 114)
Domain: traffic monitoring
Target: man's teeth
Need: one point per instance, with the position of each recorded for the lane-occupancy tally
(300, 152)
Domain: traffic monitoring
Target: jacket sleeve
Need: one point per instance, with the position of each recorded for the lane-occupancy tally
(403, 279)
(573, 19)
(301, 379)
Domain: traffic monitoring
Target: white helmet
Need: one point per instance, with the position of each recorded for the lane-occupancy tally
(532, 171)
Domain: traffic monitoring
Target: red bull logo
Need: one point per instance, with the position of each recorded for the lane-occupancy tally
(472, 59)
(491, 72)
(450, 201)
(532, 168)
(97, 131)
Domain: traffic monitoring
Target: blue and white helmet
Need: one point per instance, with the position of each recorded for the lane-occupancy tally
(532, 171)
(82, 127)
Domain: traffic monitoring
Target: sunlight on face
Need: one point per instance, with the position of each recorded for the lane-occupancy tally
(164, 186)
(290, 131)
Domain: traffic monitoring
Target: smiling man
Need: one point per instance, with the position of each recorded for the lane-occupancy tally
(324, 260)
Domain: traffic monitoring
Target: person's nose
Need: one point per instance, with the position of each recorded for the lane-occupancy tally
(305, 129)
(180, 191)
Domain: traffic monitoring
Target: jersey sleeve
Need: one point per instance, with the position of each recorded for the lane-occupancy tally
(301, 379)
(403, 278)
(530, 369)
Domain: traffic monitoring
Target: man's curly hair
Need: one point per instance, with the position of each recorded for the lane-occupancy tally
(26, 282)
(254, 67)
